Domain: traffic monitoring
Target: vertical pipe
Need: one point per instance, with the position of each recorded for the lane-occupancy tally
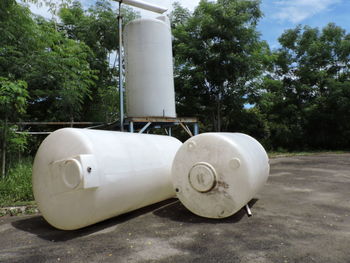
(131, 127)
(196, 129)
(170, 131)
(121, 91)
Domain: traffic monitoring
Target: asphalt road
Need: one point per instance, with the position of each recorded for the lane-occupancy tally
(302, 215)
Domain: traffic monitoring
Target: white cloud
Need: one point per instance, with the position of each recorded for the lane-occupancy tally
(296, 11)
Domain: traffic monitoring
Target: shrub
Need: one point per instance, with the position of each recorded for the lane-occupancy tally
(16, 187)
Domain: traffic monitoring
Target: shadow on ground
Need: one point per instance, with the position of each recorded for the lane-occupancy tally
(39, 227)
(177, 212)
(171, 209)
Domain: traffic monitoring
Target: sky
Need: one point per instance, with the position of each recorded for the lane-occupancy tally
(279, 15)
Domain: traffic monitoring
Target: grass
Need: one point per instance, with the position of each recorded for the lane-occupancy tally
(16, 187)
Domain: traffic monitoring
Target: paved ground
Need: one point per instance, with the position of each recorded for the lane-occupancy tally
(302, 215)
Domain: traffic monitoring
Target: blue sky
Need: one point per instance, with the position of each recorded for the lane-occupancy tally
(279, 15)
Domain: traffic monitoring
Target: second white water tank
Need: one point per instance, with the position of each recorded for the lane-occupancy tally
(216, 174)
(149, 68)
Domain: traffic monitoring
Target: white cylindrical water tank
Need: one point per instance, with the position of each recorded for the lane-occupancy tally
(83, 176)
(149, 68)
(216, 174)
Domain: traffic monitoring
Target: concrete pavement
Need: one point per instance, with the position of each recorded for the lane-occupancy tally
(302, 215)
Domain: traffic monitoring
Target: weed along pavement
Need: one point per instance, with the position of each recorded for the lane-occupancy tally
(301, 215)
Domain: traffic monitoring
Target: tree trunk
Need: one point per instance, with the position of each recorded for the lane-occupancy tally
(3, 167)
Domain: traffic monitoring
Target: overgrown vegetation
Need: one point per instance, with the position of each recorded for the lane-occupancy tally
(16, 188)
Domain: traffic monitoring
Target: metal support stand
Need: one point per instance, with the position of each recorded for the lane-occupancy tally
(185, 127)
(121, 89)
(247, 208)
(142, 5)
(196, 129)
(145, 127)
(131, 126)
(169, 131)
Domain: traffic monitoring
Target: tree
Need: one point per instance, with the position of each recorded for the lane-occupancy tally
(179, 15)
(98, 28)
(218, 55)
(306, 98)
(59, 76)
(13, 102)
(18, 38)
(56, 69)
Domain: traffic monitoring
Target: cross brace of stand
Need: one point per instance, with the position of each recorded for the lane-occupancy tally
(144, 124)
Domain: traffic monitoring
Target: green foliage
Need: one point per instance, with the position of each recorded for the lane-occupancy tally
(218, 54)
(300, 92)
(306, 97)
(13, 103)
(53, 5)
(17, 30)
(17, 142)
(109, 97)
(43, 76)
(60, 78)
(17, 187)
(56, 69)
(179, 15)
(5, 5)
(328, 118)
(97, 27)
(13, 97)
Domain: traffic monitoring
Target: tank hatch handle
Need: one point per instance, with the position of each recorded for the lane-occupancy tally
(91, 177)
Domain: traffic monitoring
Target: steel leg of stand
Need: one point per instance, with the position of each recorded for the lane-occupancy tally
(196, 129)
(145, 127)
(131, 126)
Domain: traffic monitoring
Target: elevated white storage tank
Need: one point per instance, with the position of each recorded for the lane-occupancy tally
(149, 68)
(83, 176)
(216, 174)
